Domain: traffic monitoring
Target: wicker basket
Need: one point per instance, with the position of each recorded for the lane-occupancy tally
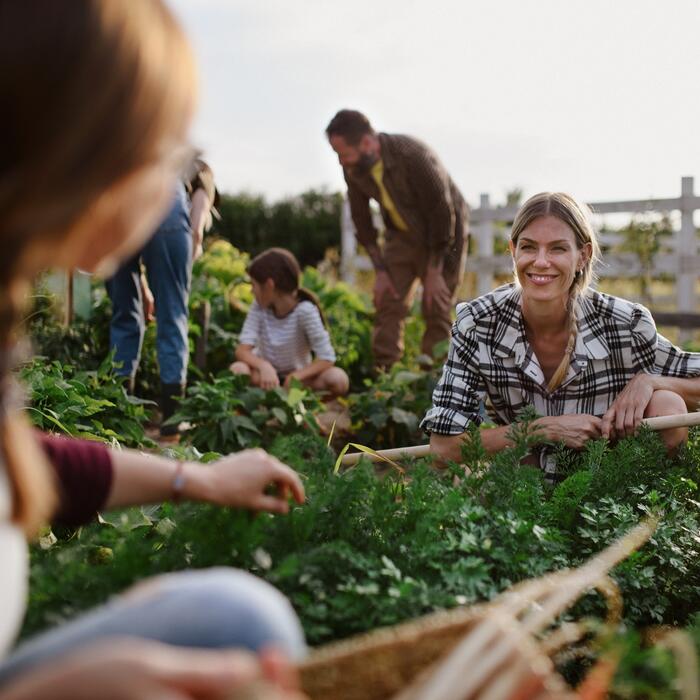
(379, 664)
(495, 651)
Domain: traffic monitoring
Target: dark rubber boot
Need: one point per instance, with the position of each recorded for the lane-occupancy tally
(169, 403)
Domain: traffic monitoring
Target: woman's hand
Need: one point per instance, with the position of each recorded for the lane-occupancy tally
(268, 376)
(240, 480)
(627, 410)
(573, 430)
(243, 480)
(137, 669)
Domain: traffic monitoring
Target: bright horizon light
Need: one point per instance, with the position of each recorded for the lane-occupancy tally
(595, 98)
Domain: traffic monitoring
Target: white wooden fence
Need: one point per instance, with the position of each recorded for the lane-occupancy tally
(488, 222)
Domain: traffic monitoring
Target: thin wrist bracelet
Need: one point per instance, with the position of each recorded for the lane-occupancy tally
(178, 484)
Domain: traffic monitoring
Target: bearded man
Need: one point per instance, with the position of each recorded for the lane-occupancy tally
(426, 224)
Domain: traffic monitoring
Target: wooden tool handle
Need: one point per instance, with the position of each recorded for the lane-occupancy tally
(395, 454)
(681, 420)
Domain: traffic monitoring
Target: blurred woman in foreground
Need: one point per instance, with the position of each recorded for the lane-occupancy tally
(99, 96)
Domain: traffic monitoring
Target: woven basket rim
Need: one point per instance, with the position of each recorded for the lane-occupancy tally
(392, 635)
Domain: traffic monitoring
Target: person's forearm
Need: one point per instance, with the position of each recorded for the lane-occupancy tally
(245, 353)
(688, 388)
(436, 260)
(361, 215)
(313, 370)
(376, 257)
(496, 439)
(449, 447)
(446, 448)
(139, 478)
(199, 211)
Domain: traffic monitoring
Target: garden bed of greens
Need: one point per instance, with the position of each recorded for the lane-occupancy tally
(367, 551)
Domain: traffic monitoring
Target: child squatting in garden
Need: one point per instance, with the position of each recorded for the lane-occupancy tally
(284, 327)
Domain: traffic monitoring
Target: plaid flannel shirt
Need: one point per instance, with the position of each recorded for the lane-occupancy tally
(423, 192)
(490, 358)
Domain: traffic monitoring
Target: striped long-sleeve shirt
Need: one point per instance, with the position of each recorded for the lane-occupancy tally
(287, 343)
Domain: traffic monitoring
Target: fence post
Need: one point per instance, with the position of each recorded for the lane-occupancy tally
(686, 250)
(485, 238)
(69, 309)
(202, 317)
(348, 244)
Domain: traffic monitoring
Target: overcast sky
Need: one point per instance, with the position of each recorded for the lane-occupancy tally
(596, 97)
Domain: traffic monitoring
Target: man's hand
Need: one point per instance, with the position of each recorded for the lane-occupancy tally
(199, 219)
(148, 300)
(435, 289)
(573, 430)
(244, 479)
(197, 247)
(268, 376)
(383, 285)
(627, 410)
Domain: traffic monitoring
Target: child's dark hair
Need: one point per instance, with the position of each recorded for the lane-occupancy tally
(280, 266)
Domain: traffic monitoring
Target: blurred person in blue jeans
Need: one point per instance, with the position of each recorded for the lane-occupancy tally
(164, 289)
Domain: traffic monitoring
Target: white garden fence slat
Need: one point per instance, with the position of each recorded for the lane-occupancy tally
(683, 262)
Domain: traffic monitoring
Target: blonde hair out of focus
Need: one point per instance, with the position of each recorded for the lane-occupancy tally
(93, 91)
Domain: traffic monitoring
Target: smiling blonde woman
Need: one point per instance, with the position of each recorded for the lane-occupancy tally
(592, 365)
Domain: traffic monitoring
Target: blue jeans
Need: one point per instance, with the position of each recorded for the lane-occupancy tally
(168, 260)
(210, 608)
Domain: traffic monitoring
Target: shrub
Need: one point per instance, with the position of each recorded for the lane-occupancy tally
(307, 224)
(227, 414)
(349, 319)
(91, 404)
(388, 410)
(364, 551)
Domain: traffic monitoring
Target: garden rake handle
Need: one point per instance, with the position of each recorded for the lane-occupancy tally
(394, 454)
(681, 420)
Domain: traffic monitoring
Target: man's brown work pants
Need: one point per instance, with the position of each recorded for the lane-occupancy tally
(406, 259)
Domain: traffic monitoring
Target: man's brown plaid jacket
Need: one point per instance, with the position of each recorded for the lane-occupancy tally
(422, 191)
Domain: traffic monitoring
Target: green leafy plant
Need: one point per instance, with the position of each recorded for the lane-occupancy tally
(84, 343)
(364, 551)
(227, 414)
(388, 411)
(91, 404)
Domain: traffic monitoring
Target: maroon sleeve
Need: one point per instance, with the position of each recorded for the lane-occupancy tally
(84, 475)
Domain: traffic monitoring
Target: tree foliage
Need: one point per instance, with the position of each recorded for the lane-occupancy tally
(307, 224)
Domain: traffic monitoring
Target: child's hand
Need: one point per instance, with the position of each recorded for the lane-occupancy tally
(268, 376)
(288, 379)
